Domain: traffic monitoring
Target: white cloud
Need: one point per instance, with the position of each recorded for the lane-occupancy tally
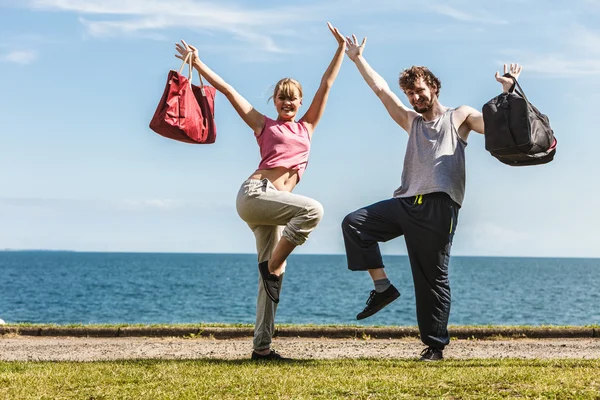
(480, 17)
(591, 6)
(584, 39)
(8, 205)
(488, 238)
(496, 233)
(464, 11)
(252, 25)
(120, 28)
(21, 56)
(560, 65)
(162, 204)
(576, 52)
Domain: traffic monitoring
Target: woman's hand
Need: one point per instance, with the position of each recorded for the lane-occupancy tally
(337, 35)
(184, 50)
(354, 50)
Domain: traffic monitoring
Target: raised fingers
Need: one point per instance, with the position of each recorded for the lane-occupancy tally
(517, 69)
(513, 69)
(336, 33)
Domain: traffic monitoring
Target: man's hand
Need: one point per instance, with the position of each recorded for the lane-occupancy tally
(354, 50)
(514, 70)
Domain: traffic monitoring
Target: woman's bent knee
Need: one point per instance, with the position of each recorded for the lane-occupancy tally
(314, 213)
(298, 229)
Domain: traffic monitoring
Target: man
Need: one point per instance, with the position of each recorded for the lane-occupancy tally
(425, 207)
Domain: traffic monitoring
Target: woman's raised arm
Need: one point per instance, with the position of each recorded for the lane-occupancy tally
(254, 119)
(315, 111)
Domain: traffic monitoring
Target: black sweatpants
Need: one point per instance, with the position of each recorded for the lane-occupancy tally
(428, 223)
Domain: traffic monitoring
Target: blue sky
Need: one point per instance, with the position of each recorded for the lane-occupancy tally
(80, 80)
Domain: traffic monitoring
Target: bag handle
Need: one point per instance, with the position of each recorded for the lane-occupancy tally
(190, 68)
(201, 84)
(190, 55)
(520, 92)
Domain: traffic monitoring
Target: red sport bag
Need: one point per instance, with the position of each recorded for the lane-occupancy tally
(186, 112)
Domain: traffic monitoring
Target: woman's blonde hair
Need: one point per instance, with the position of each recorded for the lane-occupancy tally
(287, 87)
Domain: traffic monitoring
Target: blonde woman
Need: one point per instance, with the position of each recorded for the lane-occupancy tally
(279, 219)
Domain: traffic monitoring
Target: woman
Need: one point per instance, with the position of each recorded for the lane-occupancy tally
(279, 219)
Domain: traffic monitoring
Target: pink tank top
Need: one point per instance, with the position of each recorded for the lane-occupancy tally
(284, 144)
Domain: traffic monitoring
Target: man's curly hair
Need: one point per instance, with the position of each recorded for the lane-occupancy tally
(409, 76)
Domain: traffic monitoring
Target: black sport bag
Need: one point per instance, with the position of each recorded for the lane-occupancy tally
(516, 133)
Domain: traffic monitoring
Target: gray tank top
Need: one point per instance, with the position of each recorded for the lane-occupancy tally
(434, 160)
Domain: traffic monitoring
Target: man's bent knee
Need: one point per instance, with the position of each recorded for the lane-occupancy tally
(350, 220)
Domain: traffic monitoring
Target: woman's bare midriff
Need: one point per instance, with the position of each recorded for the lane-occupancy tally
(284, 179)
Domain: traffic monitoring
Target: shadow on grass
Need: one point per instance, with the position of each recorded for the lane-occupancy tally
(405, 363)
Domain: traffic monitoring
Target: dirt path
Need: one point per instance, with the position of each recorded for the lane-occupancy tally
(24, 348)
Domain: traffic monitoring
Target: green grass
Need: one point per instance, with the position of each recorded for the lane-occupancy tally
(355, 379)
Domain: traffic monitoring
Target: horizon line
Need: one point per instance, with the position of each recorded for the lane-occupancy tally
(9, 250)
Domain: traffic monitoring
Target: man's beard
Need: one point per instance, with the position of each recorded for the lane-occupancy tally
(426, 106)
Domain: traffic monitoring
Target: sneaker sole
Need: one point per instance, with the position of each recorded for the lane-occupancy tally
(269, 359)
(266, 286)
(375, 311)
(430, 360)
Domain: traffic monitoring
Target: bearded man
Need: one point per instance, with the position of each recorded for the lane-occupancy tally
(424, 209)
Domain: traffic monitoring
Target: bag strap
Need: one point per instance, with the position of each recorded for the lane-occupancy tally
(190, 55)
(520, 92)
(201, 85)
(190, 68)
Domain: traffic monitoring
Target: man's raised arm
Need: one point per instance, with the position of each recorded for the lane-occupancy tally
(398, 111)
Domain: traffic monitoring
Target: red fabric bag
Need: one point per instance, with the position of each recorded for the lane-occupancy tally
(186, 112)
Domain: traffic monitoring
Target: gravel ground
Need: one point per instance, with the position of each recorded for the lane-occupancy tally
(24, 348)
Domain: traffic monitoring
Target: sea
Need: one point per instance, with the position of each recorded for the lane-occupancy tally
(165, 288)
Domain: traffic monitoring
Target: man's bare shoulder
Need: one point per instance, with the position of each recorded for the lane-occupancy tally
(466, 119)
(466, 110)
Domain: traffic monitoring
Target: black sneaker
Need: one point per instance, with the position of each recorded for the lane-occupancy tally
(377, 301)
(272, 356)
(431, 354)
(271, 282)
